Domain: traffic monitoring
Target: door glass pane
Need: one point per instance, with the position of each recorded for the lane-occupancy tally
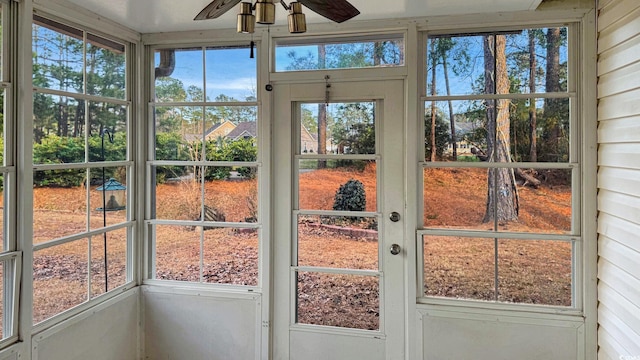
(337, 128)
(349, 301)
(338, 241)
(344, 185)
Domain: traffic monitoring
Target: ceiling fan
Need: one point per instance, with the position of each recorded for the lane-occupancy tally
(335, 10)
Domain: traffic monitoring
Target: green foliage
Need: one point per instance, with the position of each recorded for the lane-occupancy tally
(350, 197)
(442, 135)
(55, 149)
(170, 146)
(225, 150)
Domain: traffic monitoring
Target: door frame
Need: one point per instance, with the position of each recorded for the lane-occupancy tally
(391, 197)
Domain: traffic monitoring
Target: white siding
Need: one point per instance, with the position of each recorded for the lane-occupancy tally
(619, 179)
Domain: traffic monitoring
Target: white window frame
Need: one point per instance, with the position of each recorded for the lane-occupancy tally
(575, 164)
(129, 224)
(261, 226)
(10, 258)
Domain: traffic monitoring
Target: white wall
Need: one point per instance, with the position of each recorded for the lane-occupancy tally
(619, 179)
(109, 331)
(200, 325)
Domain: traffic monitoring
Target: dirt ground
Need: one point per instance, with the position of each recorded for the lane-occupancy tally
(530, 271)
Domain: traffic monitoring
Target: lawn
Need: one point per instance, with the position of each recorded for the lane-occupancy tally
(530, 271)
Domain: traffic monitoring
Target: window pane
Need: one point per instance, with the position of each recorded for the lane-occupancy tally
(547, 142)
(178, 133)
(463, 58)
(231, 74)
(230, 256)
(1, 46)
(108, 198)
(177, 252)
(232, 198)
(108, 132)
(178, 192)
(456, 64)
(455, 198)
(346, 185)
(543, 50)
(59, 125)
(116, 261)
(3, 265)
(348, 301)
(184, 81)
(105, 67)
(240, 144)
(369, 52)
(57, 56)
(338, 242)
(2, 214)
(349, 128)
(464, 198)
(469, 130)
(59, 203)
(459, 267)
(59, 279)
(3, 160)
(535, 272)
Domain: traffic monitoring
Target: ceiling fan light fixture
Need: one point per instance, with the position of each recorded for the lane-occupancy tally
(265, 12)
(246, 20)
(297, 20)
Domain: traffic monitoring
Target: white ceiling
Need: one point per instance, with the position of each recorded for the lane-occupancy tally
(149, 16)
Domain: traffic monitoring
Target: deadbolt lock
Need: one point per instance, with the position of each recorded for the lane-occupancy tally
(395, 249)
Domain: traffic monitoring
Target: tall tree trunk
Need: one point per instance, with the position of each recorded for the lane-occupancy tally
(552, 82)
(322, 112)
(452, 120)
(502, 196)
(434, 62)
(378, 52)
(533, 150)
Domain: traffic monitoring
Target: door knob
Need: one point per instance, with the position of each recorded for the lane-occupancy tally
(394, 216)
(395, 249)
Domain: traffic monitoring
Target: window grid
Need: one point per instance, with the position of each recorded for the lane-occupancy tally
(571, 165)
(98, 143)
(204, 141)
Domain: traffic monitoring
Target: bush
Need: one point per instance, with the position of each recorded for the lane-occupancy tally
(350, 197)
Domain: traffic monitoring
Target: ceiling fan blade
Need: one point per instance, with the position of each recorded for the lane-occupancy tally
(215, 9)
(336, 10)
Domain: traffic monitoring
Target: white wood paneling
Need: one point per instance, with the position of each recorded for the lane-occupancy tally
(325, 346)
(456, 335)
(107, 332)
(200, 324)
(619, 179)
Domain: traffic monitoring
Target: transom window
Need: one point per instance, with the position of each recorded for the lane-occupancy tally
(319, 54)
(500, 218)
(204, 225)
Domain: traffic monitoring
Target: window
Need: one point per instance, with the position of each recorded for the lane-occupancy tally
(359, 52)
(204, 224)
(82, 167)
(10, 260)
(500, 213)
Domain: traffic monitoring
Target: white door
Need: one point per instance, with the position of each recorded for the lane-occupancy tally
(338, 209)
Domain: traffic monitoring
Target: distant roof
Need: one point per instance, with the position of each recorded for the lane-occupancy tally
(463, 128)
(247, 128)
